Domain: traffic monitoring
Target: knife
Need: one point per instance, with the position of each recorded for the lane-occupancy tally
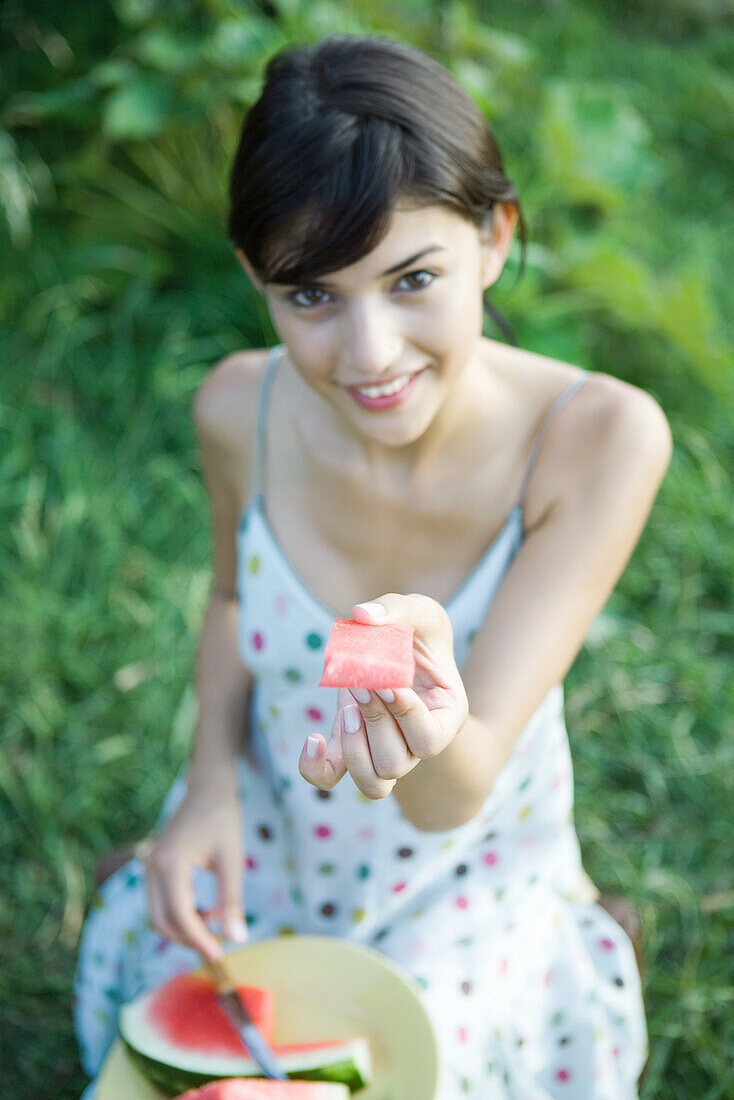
(229, 1000)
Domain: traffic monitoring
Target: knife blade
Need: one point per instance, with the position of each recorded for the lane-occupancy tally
(229, 1000)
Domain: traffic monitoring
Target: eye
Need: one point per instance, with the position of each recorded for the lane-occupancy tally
(305, 291)
(415, 275)
(310, 297)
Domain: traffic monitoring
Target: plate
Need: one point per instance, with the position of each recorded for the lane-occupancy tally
(325, 988)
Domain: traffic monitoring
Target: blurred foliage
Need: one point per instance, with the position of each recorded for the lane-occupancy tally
(138, 135)
(118, 291)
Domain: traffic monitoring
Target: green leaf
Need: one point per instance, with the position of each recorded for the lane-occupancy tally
(135, 12)
(686, 315)
(167, 51)
(17, 194)
(236, 43)
(479, 81)
(620, 280)
(593, 144)
(27, 109)
(114, 71)
(138, 110)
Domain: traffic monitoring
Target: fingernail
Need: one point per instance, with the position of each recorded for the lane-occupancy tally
(386, 695)
(312, 747)
(237, 931)
(360, 695)
(352, 719)
(375, 609)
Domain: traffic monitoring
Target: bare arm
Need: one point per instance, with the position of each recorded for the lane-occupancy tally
(206, 830)
(223, 681)
(223, 689)
(559, 581)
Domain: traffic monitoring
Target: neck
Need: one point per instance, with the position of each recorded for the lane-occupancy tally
(336, 447)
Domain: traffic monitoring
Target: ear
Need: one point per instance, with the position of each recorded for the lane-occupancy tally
(249, 270)
(496, 241)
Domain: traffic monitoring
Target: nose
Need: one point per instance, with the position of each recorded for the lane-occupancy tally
(372, 344)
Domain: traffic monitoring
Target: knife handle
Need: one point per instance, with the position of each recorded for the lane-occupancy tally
(220, 975)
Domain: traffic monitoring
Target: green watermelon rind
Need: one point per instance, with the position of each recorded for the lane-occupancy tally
(175, 1068)
(172, 1081)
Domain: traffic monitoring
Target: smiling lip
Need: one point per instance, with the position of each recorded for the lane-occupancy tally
(388, 401)
(379, 381)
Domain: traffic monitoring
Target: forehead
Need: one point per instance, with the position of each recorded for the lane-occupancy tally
(410, 230)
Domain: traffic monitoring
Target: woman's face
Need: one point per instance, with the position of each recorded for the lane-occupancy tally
(410, 310)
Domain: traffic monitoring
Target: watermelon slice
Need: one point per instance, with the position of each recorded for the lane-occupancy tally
(364, 656)
(180, 1039)
(185, 1013)
(235, 1088)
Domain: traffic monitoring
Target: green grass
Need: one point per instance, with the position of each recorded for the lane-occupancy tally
(112, 310)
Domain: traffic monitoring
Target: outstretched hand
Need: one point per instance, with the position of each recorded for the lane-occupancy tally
(393, 735)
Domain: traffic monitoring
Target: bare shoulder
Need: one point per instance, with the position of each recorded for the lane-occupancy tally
(225, 415)
(602, 395)
(608, 426)
(229, 392)
(611, 416)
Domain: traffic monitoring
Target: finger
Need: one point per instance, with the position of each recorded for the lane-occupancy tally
(414, 733)
(180, 912)
(228, 869)
(391, 756)
(426, 615)
(321, 762)
(357, 757)
(156, 908)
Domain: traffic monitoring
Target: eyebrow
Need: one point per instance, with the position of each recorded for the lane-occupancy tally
(390, 271)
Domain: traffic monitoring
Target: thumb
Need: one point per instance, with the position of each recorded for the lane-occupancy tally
(229, 875)
(321, 761)
(427, 617)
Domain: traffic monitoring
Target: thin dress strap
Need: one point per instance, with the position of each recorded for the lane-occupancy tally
(548, 419)
(262, 415)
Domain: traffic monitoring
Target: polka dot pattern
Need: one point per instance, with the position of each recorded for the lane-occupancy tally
(484, 917)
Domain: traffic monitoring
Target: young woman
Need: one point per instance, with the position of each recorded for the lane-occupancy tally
(387, 462)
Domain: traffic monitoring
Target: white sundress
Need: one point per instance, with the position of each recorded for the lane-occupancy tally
(533, 987)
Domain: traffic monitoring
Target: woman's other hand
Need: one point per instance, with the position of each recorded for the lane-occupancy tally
(394, 735)
(204, 832)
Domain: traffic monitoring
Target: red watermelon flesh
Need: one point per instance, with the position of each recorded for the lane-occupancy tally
(364, 656)
(236, 1088)
(186, 1013)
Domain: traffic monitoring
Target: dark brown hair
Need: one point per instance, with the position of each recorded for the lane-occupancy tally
(341, 132)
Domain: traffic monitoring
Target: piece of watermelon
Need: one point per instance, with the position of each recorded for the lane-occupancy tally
(236, 1088)
(185, 1013)
(365, 656)
(180, 1039)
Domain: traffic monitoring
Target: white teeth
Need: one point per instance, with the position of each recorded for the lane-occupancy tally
(384, 391)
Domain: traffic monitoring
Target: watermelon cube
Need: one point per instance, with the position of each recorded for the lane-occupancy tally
(364, 656)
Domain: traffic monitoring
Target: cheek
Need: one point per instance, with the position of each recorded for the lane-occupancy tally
(452, 322)
(311, 345)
